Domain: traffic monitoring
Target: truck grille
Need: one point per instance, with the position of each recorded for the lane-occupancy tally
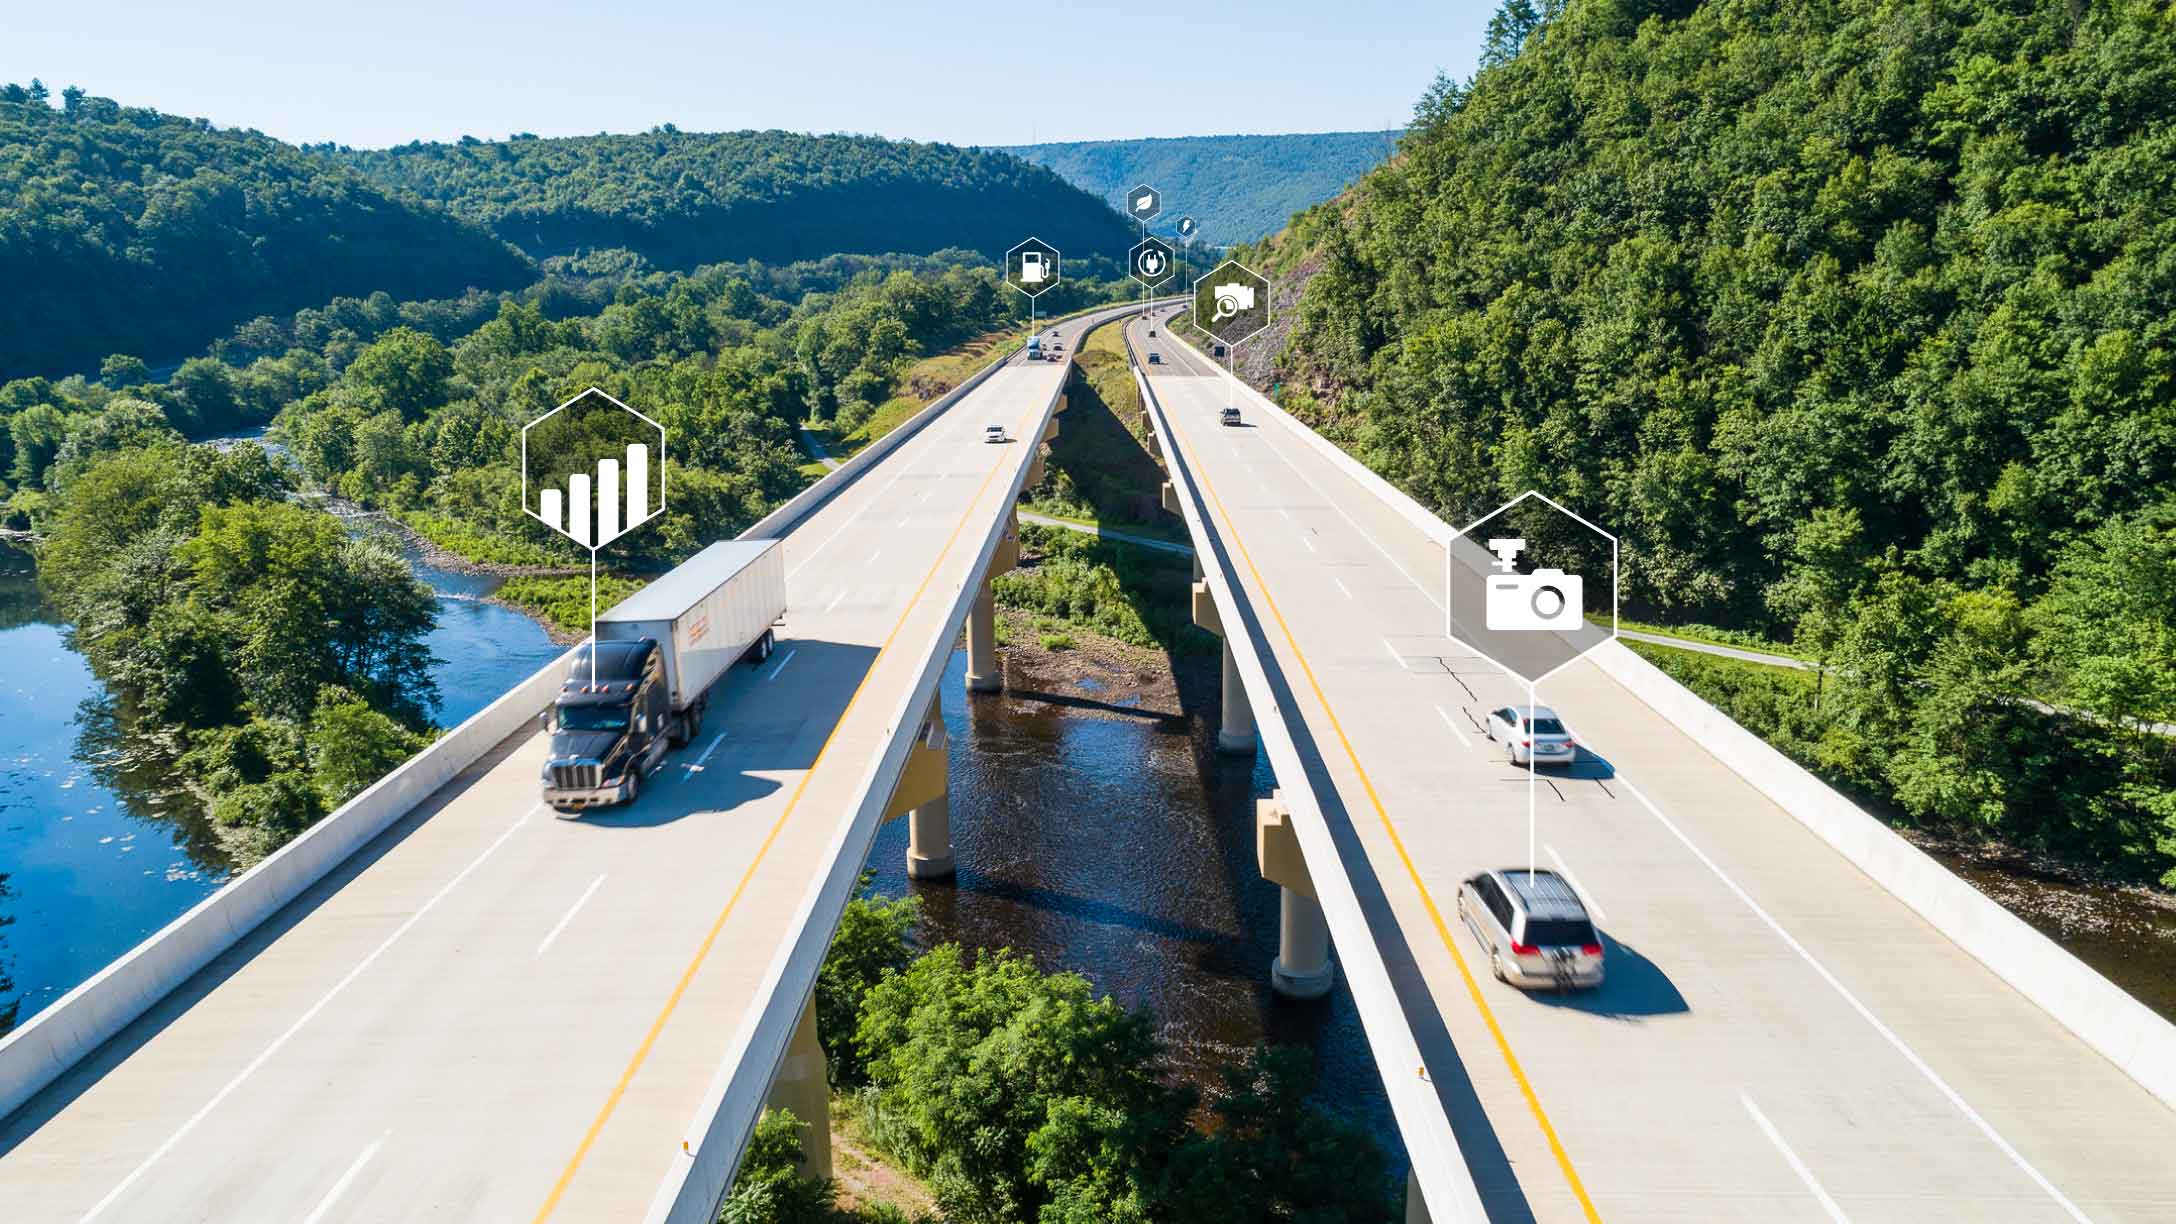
(574, 777)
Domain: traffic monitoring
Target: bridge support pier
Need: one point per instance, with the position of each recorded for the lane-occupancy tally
(921, 796)
(1235, 733)
(804, 1086)
(1302, 969)
(984, 675)
(1416, 1208)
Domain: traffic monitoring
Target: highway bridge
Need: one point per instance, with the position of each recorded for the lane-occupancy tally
(1779, 1037)
(443, 1003)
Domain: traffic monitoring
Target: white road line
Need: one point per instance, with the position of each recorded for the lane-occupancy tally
(1341, 585)
(705, 758)
(1363, 532)
(1791, 1158)
(1309, 543)
(781, 666)
(159, 1153)
(346, 1179)
(1456, 730)
(836, 600)
(1593, 907)
(1395, 657)
(1940, 1085)
(568, 917)
(1910, 1056)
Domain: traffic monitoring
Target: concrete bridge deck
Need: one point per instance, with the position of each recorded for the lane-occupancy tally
(490, 1013)
(1779, 1037)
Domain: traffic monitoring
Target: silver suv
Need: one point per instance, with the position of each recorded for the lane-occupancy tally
(1534, 928)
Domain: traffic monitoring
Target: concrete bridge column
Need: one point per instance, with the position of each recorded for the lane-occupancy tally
(1416, 1208)
(921, 796)
(983, 673)
(1235, 733)
(803, 1085)
(1302, 969)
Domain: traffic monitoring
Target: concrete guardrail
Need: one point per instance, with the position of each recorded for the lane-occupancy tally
(1439, 1165)
(698, 1182)
(80, 1021)
(2100, 1013)
(61, 1035)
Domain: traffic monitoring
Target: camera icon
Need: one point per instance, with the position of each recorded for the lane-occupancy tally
(1547, 599)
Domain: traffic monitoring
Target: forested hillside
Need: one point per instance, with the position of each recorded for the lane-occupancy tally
(123, 230)
(685, 198)
(1238, 187)
(1857, 320)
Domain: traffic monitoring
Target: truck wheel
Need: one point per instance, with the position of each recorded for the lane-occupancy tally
(768, 644)
(634, 782)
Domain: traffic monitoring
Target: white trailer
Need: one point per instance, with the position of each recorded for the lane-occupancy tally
(708, 614)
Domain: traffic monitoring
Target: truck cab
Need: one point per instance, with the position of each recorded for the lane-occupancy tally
(609, 731)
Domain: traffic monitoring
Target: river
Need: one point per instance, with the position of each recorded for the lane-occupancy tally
(100, 849)
(1121, 846)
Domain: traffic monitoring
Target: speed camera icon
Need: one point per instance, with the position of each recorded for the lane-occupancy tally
(1231, 302)
(1561, 607)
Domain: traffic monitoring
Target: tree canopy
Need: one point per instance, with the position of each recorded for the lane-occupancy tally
(123, 230)
(1855, 319)
(680, 199)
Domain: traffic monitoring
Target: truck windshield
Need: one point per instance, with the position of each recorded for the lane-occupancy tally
(591, 718)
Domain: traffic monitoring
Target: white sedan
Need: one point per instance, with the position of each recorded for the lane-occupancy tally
(993, 433)
(1532, 734)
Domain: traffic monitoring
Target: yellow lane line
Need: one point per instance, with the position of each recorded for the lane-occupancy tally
(687, 976)
(1435, 915)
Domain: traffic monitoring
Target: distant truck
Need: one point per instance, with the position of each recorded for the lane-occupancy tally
(1035, 348)
(656, 656)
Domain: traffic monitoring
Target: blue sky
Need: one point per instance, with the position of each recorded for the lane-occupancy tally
(976, 73)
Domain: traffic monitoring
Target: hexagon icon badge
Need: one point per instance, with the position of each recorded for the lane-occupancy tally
(1150, 262)
(1531, 586)
(1143, 203)
(1032, 266)
(593, 469)
(1231, 302)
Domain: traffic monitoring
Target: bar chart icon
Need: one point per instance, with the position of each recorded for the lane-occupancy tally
(593, 469)
(570, 510)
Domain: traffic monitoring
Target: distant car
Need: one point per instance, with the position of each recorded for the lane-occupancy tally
(1152, 333)
(993, 433)
(1155, 358)
(1230, 416)
(1533, 735)
(1534, 928)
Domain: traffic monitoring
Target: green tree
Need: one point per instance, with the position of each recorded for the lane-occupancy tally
(404, 371)
(769, 1188)
(870, 944)
(36, 433)
(1272, 1156)
(121, 370)
(981, 1065)
(352, 744)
